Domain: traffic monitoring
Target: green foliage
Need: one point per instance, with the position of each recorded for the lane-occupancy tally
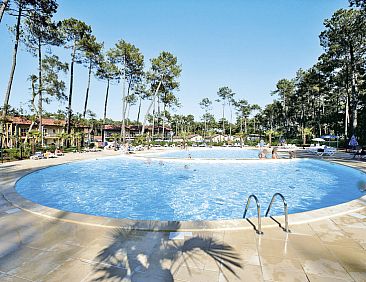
(164, 69)
(70, 149)
(39, 30)
(74, 31)
(92, 50)
(107, 70)
(130, 59)
(52, 85)
(23, 152)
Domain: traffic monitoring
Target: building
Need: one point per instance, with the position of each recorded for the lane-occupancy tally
(17, 128)
(195, 138)
(114, 131)
(218, 138)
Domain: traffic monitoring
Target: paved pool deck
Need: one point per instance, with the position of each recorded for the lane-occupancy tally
(42, 244)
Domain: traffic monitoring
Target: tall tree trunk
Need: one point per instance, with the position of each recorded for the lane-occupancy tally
(2, 8)
(163, 122)
(128, 114)
(153, 121)
(231, 118)
(86, 103)
(354, 90)
(124, 109)
(106, 102)
(139, 111)
(69, 109)
(205, 132)
(40, 98)
(87, 90)
(157, 115)
(34, 110)
(347, 107)
(12, 71)
(123, 128)
(346, 118)
(223, 121)
(149, 108)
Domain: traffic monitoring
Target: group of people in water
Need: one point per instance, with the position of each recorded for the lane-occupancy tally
(263, 154)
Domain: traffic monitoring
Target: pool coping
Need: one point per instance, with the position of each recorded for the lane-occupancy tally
(10, 194)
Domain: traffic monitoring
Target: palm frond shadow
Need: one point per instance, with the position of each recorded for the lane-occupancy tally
(224, 255)
(133, 253)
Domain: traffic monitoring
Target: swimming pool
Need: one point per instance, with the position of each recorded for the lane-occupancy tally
(124, 187)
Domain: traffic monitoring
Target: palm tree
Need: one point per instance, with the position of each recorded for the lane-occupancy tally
(63, 136)
(271, 133)
(115, 137)
(184, 136)
(34, 137)
(139, 140)
(242, 136)
(306, 132)
(77, 137)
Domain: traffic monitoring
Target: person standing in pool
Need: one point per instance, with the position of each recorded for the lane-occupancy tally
(291, 154)
(274, 153)
(262, 154)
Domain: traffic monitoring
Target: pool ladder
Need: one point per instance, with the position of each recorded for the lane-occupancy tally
(259, 228)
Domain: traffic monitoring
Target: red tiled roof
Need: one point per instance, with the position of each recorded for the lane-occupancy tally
(111, 126)
(50, 121)
(19, 120)
(45, 121)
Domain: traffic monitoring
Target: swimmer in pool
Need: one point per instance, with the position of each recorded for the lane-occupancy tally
(262, 154)
(274, 153)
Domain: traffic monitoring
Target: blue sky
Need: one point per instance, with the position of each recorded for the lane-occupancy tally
(245, 45)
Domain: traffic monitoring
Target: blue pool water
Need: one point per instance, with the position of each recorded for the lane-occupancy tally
(123, 187)
(214, 153)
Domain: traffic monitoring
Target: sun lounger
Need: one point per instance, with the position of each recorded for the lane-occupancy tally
(327, 151)
(50, 155)
(315, 149)
(37, 156)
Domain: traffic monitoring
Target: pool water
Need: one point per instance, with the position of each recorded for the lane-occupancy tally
(124, 187)
(214, 153)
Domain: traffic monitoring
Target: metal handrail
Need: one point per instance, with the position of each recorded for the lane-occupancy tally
(284, 207)
(259, 230)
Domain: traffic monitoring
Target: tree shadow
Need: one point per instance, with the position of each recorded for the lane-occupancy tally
(152, 256)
